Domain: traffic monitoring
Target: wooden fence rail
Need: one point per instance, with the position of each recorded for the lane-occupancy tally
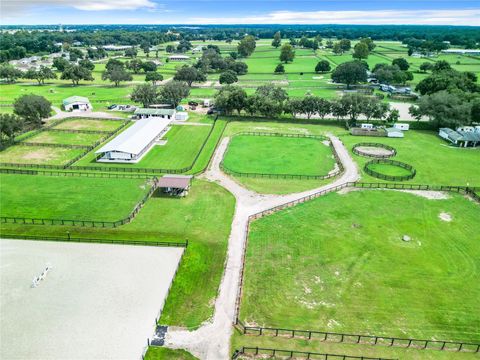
(74, 174)
(381, 176)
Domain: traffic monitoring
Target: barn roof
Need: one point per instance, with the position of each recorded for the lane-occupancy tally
(174, 181)
(155, 112)
(136, 137)
(74, 99)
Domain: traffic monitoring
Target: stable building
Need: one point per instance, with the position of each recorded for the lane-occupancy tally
(132, 144)
(175, 185)
(460, 138)
(158, 113)
(77, 103)
(178, 58)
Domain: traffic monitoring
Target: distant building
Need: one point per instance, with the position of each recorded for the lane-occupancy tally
(77, 103)
(366, 126)
(132, 144)
(400, 126)
(157, 113)
(462, 51)
(179, 58)
(197, 49)
(181, 116)
(117, 47)
(461, 138)
(394, 133)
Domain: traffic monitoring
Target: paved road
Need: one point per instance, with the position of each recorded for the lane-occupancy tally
(211, 341)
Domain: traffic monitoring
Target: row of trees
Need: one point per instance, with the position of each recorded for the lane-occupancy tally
(273, 101)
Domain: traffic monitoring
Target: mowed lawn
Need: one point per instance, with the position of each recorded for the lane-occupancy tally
(184, 142)
(436, 162)
(389, 169)
(163, 353)
(278, 155)
(21, 154)
(203, 218)
(89, 124)
(76, 198)
(65, 138)
(339, 264)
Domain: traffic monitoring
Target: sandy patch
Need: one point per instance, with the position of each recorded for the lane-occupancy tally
(445, 216)
(373, 150)
(428, 194)
(41, 154)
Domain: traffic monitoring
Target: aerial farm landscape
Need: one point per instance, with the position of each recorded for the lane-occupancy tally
(301, 181)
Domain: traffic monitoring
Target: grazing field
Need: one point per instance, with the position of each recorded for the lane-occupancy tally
(162, 353)
(436, 162)
(339, 263)
(98, 301)
(278, 155)
(203, 218)
(183, 143)
(56, 197)
(60, 137)
(89, 124)
(22, 154)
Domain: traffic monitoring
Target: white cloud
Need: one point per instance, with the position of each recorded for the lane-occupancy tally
(374, 17)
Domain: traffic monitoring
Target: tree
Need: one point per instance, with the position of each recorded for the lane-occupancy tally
(230, 98)
(441, 65)
(294, 107)
(322, 66)
(369, 42)
(75, 54)
(116, 75)
(10, 125)
(154, 77)
(131, 52)
(60, 63)
(401, 63)
(280, 69)
(360, 51)
(353, 106)
(146, 94)
(40, 75)
(111, 63)
(9, 73)
(149, 66)
(75, 73)
(268, 100)
(189, 74)
(246, 46)
(391, 74)
(32, 108)
(228, 77)
(352, 72)
(145, 46)
(345, 45)
(184, 46)
(310, 105)
(173, 92)
(87, 64)
(170, 48)
(238, 66)
(135, 65)
(449, 80)
(277, 40)
(287, 53)
(337, 49)
(426, 66)
(443, 109)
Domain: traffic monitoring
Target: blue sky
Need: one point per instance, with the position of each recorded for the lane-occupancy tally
(464, 12)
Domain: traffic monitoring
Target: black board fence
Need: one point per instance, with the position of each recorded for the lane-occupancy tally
(290, 354)
(343, 337)
(335, 172)
(69, 238)
(357, 151)
(83, 223)
(473, 347)
(381, 176)
(74, 174)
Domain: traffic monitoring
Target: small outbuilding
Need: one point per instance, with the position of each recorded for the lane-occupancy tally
(394, 133)
(77, 103)
(400, 126)
(181, 116)
(174, 185)
(144, 113)
(178, 58)
(366, 126)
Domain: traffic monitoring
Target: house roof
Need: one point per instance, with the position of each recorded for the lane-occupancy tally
(154, 112)
(136, 137)
(74, 99)
(174, 181)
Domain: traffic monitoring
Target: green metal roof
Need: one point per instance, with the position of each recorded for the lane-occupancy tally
(74, 99)
(155, 112)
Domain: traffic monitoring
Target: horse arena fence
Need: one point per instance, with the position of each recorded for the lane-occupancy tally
(359, 152)
(287, 176)
(442, 345)
(74, 174)
(381, 176)
(290, 354)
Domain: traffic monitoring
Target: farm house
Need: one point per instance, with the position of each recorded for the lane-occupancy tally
(132, 144)
(77, 103)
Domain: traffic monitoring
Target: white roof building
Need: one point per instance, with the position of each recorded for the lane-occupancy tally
(178, 57)
(132, 144)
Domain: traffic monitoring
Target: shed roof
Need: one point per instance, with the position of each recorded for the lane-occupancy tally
(154, 112)
(470, 136)
(179, 57)
(74, 99)
(175, 181)
(452, 134)
(136, 137)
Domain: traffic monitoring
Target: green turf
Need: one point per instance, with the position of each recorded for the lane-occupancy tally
(60, 137)
(38, 155)
(338, 263)
(89, 124)
(162, 353)
(56, 197)
(278, 155)
(390, 170)
(203, 217)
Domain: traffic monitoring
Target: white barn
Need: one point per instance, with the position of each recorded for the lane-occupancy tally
(132, 144)
(178, 58)
(77, 103)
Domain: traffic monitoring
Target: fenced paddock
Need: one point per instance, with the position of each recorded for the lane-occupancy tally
(98, 301)
(398, 171)
(374, 150)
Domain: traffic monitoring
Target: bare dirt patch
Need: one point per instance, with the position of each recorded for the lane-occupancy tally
(445, 216)
(375, 151)
(428, 194)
